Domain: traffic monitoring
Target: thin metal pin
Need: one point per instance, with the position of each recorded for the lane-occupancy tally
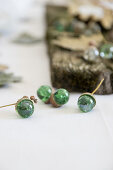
(7, 105)
(98, 86)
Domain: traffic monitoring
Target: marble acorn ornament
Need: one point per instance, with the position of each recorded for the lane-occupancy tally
(86, 102)
(44, 93)
(57, 99)
(24, 106)
(106, 51)
(91, 54)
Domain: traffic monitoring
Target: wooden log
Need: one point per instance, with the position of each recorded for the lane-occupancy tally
(68, 68)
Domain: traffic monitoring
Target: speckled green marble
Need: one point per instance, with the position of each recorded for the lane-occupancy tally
(25, 108)
(59, 26)
(86, 102)
(61, 96)
(106, 51)
(44, 93)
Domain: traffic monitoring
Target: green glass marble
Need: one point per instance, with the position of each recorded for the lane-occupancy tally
(59, 26)
(106, 51)
(25, 108)
(86, 102)
(44, 93)
(61, 96)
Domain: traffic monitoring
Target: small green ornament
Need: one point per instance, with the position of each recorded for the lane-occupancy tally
(25, 107)
(60, 24)
(61, 97)
(106, 51)
(86, 102)
(44, 93)
(59, 27)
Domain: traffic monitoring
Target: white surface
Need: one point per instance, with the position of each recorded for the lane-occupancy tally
(52, 139)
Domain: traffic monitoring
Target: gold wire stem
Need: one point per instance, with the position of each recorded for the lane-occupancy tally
(98, 86)
(7, 105)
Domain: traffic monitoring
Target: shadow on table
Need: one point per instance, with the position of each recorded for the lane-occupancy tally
(66, 109)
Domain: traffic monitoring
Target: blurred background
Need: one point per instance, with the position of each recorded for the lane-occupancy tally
(11, 11)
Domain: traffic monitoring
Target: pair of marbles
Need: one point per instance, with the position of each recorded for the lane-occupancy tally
(91, 54)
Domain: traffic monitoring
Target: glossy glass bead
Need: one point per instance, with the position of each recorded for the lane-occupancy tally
(44, 93)
(61, 96)
(59, 25)
(91, 53)
(25, 108)
(86, 102)
(106, 51)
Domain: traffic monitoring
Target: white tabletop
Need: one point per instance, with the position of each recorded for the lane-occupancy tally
(53, 138)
